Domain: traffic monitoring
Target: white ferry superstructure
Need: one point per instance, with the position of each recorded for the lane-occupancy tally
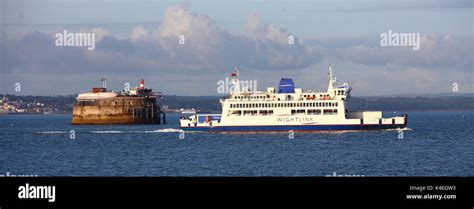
(289, 109)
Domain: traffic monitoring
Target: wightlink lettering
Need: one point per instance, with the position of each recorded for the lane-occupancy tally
(294, 119)
(37, 192)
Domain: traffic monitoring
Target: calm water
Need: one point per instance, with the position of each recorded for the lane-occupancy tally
(436, 144)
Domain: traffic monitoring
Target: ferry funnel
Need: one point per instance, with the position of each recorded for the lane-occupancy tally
(142, 84)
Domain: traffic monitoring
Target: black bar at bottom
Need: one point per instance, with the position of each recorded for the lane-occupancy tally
(238, 192)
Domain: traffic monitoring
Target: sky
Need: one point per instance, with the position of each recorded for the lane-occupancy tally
(140, 39)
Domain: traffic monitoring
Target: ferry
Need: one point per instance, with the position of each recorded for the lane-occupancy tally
(288, 109)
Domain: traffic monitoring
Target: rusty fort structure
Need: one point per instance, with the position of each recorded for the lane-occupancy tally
(132, 106)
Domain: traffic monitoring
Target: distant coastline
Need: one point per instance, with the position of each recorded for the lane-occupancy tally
(13, 104)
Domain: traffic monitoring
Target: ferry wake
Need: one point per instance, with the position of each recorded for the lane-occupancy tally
(288, 109)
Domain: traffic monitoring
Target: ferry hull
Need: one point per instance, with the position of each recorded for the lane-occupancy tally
(295, 128)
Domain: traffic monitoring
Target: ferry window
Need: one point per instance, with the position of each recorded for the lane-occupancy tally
(293, 112)
(336, 104)
(329, 112)
(314, 112)
(250, 112)
(236, 113)
(300, 112)
(270, 112)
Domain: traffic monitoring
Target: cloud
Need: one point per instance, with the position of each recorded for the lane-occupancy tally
(437, 51)
(210, 52)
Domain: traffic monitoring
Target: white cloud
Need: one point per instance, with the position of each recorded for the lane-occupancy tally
(211, 52)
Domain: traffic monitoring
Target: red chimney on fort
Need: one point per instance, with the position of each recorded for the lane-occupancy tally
(142, 84)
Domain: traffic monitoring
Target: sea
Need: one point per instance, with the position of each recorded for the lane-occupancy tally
(433, 144)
